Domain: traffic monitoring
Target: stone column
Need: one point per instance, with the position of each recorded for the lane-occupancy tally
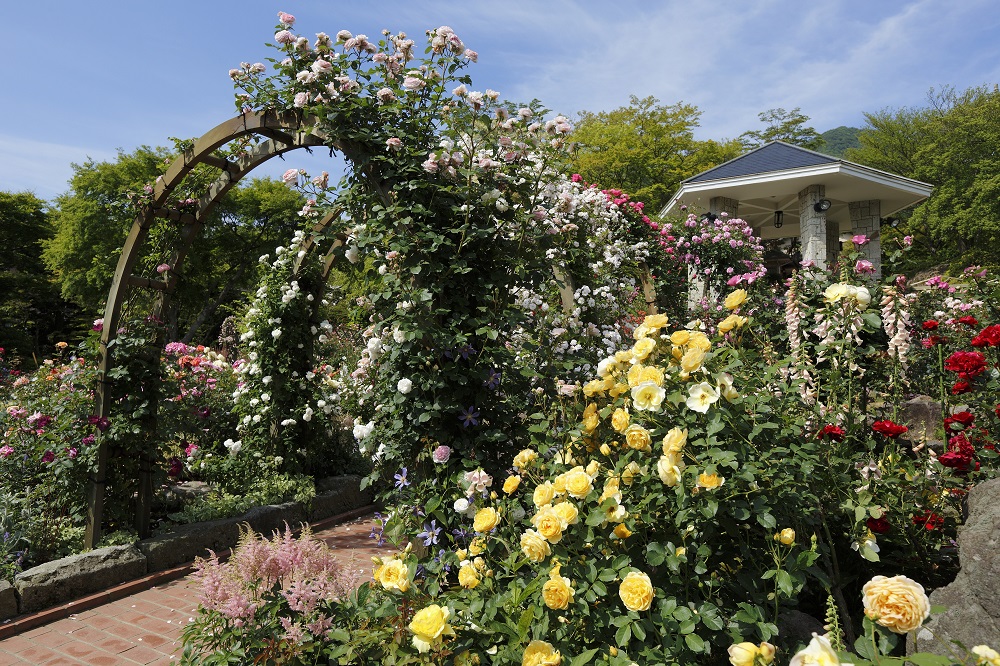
(812, 226)
(832, 242)
(865, 219)
(696, 283)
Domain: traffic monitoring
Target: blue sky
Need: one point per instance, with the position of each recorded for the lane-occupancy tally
(83, 79)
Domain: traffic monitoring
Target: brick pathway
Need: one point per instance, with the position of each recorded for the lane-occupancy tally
(145, 627)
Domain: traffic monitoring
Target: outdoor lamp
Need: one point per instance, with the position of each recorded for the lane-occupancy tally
(711, 217)
(822, 205)
(779, 218)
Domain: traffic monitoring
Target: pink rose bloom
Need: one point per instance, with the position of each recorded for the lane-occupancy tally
(284, 37)
(72, 453)
(290, 176)
(286, 18)
(344, 35)
(864, 267)
(162, 268)
(322, 66)
(907, 241)
(441, 454)
(413, 83)
(48, 457)
(385, 95)
(5, 451)
(859, 239)
(394, 143)
(98, 325)
(301, 99)
(733, 281)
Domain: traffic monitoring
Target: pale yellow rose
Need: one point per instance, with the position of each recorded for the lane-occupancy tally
(393, 575)
(620, 419)
(511, 484)
(629, 473)
(898, 603)
(429, 625)
(617, 390)
(640, 332)
(540, 653)
(559, 483)
(633, 374)
(669, 467)
(468, 577)
(819, 652)
(691, 361)
(557, 591)
(700, 341)
(623, 356)
(680, 337)
(735, 299)
(524, 458)
(766, 652)
(710, 481)
(655, 321)
(725, 386)
(605, 449)
(643, 348)
(549, 523)
(701, 397)
(615, 513)
(647, 396)
(621, 531)
(611, 490)
(578, 482)
(590, 418)
(461, 554)
(477, 546)
(986, 655)
(636, 591)
(486, 519)
(743, 654)
(568, 512)
(835, 292)
(534, 546)
(544, 492)
(638, 438)
(651, 373)
(786, 536)
(731, 322)
(592, 468)
(594, 387)
(675, 440)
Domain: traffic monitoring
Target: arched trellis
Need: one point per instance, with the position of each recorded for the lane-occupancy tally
(282, 132)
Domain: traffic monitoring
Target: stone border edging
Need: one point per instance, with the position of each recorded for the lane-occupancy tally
(124, 570)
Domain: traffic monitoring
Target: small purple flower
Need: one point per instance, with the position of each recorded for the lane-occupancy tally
(72, 453)
(430, 533)
(401, 481)
(441, 454)
(469, 416)
(88, 440)
(492, 379)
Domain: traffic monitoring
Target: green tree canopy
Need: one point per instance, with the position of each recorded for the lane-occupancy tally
(781, 125)
(645, 148)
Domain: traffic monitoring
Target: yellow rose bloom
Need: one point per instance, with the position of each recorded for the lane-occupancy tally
(648, 397)
(636, 591)
(735, 299)
(700, 341)
(725, 381)
(640, 332)
(534, 546)
(592, 468)
(486, 519)
(743, 654)
(655, 321)
(549, 524)
(568, 512)
(544, 492)
(461, 554)
(511, 484)
(477, 546)
(669, 468)
(559, 483)
(819, 652)
(540, 653)
(393, 575)
(680, 337)
(468, 577)
(986, 655)
(691, 361)
(731, 322)
(786, 536)
(617, 390)
(621, 531)
(899, 604)
(557, 590)
(633, 374)
(593, 387)
(590, 418)
(629, 473)
(710, 481)
(638, 438)
(428, 625)
(701, 397)
(623, 356)
(524, 458)
(643, 348)
(578, 482)
(651, 373)
(675, 440)
(611, 490)
(620, 419)
(605, 450)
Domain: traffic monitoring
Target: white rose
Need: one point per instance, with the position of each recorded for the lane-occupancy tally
(404, 385)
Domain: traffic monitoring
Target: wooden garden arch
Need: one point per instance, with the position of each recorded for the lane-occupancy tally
(280, 132)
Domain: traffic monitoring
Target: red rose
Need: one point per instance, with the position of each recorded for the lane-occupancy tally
(988, 337)
(968, 321)
(831, 432)
(929, 520)
(878, 525)
(964, 419)
(961, 386)
(968, 365)
(889, 429)
(930, 325)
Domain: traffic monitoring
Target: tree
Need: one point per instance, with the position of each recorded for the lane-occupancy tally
(645, 148)
(839, 139)
(781, 125)
(952, 143)
(31, 312)
(92, 221)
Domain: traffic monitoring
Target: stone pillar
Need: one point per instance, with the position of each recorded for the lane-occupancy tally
(812, 226)
(865, 219)
(696, 284)
(832, 242)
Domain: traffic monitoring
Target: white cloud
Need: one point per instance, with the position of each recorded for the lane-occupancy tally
(41, 167)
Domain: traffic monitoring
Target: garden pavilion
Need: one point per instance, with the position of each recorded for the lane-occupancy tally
(786, 191)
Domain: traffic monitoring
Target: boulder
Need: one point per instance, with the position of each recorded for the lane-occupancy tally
(922, 415)
(973, 598)
(188, 542)
(8, 601)
(60, 581)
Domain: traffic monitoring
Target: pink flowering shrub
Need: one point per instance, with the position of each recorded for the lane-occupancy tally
(277, 597)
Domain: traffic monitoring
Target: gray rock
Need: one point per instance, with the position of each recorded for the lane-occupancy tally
(796, 627)
(973, 598)
(61, 581)
(923, 416)
(267, 520)
(8, 601)
(188, 542)
(341, 494)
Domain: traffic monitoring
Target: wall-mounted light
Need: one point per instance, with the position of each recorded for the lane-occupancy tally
(891, 221)
(711, 217)
(779, 219)
(822, 205)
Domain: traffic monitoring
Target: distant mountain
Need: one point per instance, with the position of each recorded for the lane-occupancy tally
(839, 139)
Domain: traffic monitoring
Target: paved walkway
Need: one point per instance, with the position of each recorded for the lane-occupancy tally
(145, 627)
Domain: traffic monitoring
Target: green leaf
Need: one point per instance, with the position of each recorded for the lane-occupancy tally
(583, 658)
(623, 635)
(655, 554)
(767, 521)
(926, 659)
(695, 642)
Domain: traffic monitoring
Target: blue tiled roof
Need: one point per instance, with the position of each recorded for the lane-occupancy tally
(775, 156)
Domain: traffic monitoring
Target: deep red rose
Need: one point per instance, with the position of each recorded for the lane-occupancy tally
(963, 419)
(961, 386)
(889, 429)
(933, 341)
(832, 432)
(878, 525)
(930, 325)
(968, 365)
(968, 320)
(988, 337)
(929, 519)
